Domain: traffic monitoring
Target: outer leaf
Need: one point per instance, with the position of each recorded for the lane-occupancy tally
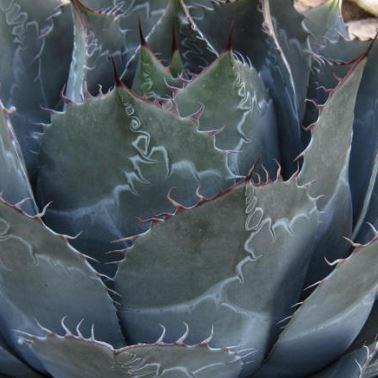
(25, 30)
(326, 162)
(35, 264)
(97, 36)
(21, 44)
(326, 21)
(14, 183)
(369, 332)
(355, 363)
(328, 63)
(24, 27)
(352, 365)
(329, 320)
(234, 105)
(208, 267)
(120, 156)
(364, 144)
(369, 211)
(74, 356)
(365, 135)
(12, 366)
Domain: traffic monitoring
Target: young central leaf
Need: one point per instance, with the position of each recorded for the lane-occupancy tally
(152, 80)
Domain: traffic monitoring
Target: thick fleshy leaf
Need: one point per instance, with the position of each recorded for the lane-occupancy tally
(74, 356)
(176, 66)
(15, 18)
(120, 157)
(55, 57)
(369, 211)
(232, 103)
(266, 50)
(331, 139)
(325, 22)
(330, 319)
(154, 21)
(157, 22)
(152, 79)
(12, 366)
(20, 46)
(25, 28)
(329, 63)
(97, 36)
(43, 279)
(208, 267)
(351, 365)
(360, 355)
(369, 332)
(195, 50)
(364, 143)
(365, 134)
(14, 182)
(285, 26)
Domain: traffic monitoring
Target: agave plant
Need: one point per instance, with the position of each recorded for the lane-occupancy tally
(215, 163)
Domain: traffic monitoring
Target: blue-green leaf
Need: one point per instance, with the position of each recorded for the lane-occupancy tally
(43, 279)
(74, 356)
(219, 268)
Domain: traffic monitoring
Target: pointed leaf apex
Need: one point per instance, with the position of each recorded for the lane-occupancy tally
(174, 46)
(229, 38)
(78, 5)
(141, 36)
(117, 80)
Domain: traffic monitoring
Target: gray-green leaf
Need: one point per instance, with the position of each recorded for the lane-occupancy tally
(43, 279)
(74, 356)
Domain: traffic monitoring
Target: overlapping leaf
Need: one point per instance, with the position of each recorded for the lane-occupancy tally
(12, 366)
(14, 183)
(336, 311)
(188, 269)
(152, 79)
(331, 139)
(325, 22)
(368, 216)
(24, 29)
(43, 279)
(112, 161)
(232, 103)
(277, 55)
(363, 164)
(73, 356)
(97, 36)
